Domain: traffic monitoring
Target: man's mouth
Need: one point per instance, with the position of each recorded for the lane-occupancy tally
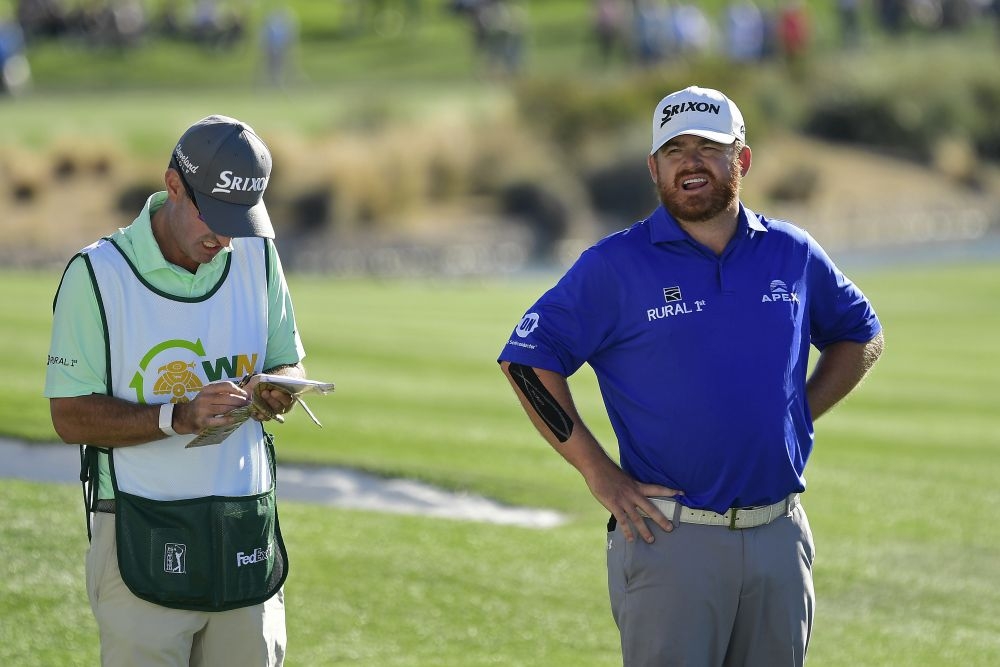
(694, 183)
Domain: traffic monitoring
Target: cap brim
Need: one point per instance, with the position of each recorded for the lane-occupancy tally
(718, 137)
(235, 220)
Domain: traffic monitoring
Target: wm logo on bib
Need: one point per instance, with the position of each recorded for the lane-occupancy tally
(178, 369)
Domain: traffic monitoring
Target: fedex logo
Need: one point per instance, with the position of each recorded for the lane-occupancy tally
(259, 555)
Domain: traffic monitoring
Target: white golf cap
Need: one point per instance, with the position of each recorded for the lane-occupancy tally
(700, 111)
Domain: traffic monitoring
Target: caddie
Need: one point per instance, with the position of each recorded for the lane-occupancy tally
(154, 328)
(698, 323)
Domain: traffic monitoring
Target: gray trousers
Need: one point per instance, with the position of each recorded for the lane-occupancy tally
(708, 596)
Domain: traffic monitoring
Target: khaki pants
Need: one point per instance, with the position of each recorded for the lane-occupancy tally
(136, 633)
(707, 596)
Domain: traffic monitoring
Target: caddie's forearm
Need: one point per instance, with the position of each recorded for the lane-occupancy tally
(104, 421)
(840, 369)
(290, 370)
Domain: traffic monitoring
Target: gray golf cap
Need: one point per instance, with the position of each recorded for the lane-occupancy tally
(227, 166)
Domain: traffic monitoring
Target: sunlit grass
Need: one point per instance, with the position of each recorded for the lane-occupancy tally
(900, 486)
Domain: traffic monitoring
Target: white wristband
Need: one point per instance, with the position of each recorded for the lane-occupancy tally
(167, 419)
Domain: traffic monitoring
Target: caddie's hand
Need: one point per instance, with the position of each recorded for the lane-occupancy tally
(210, 407)
(268, 403)
(628, 499)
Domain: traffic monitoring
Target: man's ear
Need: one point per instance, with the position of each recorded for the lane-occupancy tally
(172, 180)
(651, 163)
(745, 159)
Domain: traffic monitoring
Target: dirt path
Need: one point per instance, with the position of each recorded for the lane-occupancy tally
(335, 487)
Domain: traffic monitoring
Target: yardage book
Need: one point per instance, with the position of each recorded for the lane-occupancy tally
(297, 387)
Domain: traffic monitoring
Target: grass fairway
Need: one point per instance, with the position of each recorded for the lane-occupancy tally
(901, 489)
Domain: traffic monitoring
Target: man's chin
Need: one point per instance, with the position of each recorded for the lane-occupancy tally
(698, 209)
(693, 214)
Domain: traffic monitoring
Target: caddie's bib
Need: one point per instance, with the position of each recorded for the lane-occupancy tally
(166, 348)
(197, 528)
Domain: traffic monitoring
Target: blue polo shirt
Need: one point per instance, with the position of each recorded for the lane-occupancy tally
(701, 359)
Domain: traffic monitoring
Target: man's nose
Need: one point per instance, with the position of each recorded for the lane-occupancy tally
(692, 156)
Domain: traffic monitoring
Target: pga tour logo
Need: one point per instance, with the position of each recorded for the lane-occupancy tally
(528, 324)
(175, 558)
(259, 555)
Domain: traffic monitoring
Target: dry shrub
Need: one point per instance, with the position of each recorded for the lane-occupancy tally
(955, 157)
(23, 174)
(374, 180)
(449, 175)
(390, 180)
(84, 157)
(58, 199)
(798, 184)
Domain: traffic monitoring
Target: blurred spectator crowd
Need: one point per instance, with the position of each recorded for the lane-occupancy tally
(651, 31)
(125, 23)
(15, 73)
(644, 32)
(498, 29)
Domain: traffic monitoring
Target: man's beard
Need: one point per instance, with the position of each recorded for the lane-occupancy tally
(722, 197)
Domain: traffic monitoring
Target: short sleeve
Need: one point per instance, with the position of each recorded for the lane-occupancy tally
(570, 322)
(284, 345)
(838, 310)
(77, 360)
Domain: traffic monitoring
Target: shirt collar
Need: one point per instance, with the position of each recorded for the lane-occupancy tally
(141, 236)
(663, 228)
(140, 246)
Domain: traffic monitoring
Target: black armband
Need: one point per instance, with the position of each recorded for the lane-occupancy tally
(542, 401)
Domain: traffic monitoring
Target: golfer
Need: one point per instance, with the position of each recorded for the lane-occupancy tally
(698, 323)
